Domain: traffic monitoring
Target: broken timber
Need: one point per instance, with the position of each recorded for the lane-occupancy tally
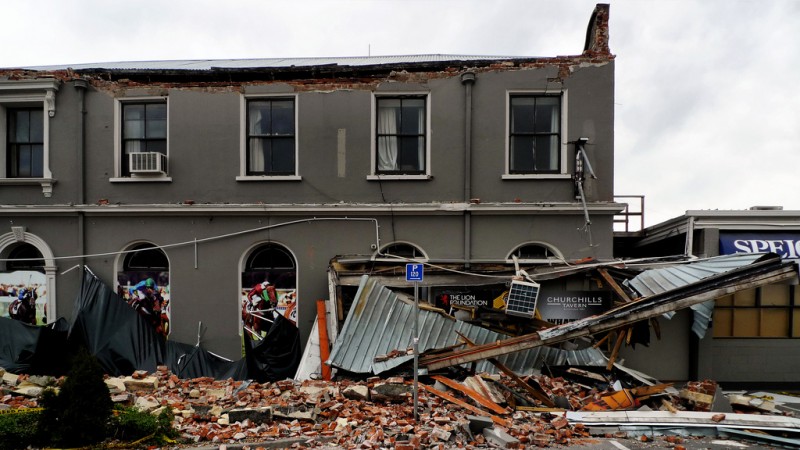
(769, 270)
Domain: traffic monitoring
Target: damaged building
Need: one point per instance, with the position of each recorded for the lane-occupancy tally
(210, 177)
(224, 198)
(751, 339)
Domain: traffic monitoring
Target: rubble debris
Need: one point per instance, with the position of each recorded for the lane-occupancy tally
(212, 412)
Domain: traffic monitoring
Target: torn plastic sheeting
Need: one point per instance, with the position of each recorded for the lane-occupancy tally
(32, 349)
(123, 341)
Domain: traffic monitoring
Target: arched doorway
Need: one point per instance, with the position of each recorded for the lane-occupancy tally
(143, 282)
(269, 286)
(27, 265)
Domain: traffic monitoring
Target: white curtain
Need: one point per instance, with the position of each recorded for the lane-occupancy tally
(256, 156)
(555, 145)
(421, 141)
(387, 145)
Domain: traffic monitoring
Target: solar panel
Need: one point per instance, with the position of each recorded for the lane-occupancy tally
(522, 297)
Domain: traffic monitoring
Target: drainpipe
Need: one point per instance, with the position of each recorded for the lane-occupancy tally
(467, 79)
(80, 86)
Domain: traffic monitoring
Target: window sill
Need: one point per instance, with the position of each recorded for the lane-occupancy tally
(269, 178)
(398, 177)
(46, 183)
(163, 179)
(537, 176)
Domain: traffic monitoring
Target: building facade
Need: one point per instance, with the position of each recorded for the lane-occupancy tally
(752, 336)
(210, 177)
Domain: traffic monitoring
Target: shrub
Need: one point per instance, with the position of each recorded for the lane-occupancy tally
(19, 430)
(130, 424)
(79, 414)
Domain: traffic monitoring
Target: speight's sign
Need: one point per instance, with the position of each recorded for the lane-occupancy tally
(571, 305)
(787, 245)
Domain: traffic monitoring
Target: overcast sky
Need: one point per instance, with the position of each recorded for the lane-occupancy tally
(707, 96)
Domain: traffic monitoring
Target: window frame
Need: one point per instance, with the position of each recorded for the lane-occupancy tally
(38, 93)
(244, 137)
(374, 173)
(761, 305)
(119, 149)
(555, 254)
(561, 172)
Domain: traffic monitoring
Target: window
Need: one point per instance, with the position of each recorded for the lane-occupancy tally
(26, 107)
(534, 252)
(25, 143)
(146, 257)
(771, 311)
(401, 135)
(272, 263)
(534, 140)
(25, 257)
(271, 140)
(144, 134)
(401, 250)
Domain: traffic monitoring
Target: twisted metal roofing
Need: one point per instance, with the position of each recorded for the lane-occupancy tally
(381, 320)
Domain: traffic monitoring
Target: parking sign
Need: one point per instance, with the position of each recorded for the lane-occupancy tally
(414, 272)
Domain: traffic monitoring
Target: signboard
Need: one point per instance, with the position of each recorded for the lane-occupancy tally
(414, 272)
(787, 245)
(470, 297)
(572, 305)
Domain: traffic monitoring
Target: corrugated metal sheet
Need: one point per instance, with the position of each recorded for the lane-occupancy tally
(656, 281)
(381, 320)
(272, 63)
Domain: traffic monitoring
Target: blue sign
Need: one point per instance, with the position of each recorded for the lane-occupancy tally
(786, 244)
(414, 272)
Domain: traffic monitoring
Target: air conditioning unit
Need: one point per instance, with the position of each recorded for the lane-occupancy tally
(147, 163)
(522, 297)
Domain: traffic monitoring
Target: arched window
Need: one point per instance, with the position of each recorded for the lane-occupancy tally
(147, 257)
(27, 261)
(402, 250)
(273, 263)
(276, 265)
(534, 252)
(141, 262)
(25, 257)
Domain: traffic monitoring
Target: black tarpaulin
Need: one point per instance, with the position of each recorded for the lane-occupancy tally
(27, 348)
(123, 341)
(283, 359)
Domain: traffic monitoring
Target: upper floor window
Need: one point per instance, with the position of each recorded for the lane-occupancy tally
(271, 137)
(26, 107)
(534, 139)
(25, 147)
(401, 135)
(143, 138)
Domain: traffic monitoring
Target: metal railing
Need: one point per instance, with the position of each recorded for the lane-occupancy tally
(630, 219)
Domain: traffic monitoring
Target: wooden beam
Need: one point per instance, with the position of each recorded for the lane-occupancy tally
(465, 405)
(617, 346)
(605, 322)
(541, 396)
(612, 283)
(471, 393)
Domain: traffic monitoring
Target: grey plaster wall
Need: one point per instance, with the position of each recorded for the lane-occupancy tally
(204, 160)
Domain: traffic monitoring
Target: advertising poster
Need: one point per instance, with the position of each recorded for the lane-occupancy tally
(23, 296)
(148, 294)
(264, 295)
